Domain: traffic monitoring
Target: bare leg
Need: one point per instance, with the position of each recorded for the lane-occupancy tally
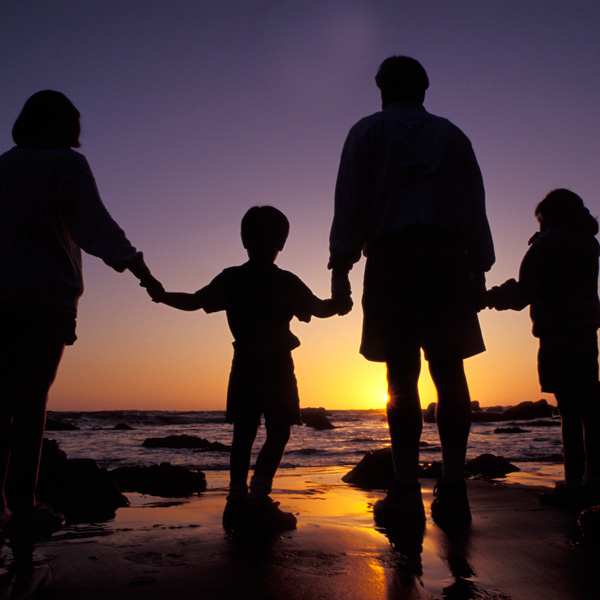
(453, 415)
(268, 459)
(239, 461)
(405, 419)
(34, 375)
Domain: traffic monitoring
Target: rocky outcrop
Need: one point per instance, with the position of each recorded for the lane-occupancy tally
(55, 425)
(490, 466)
(316, 418)
(524, 411)
(376, 469)
(79, 488)
(185, 441)
(166, 480)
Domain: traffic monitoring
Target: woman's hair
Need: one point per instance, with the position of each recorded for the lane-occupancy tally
(564, 208)
(264, 228)
(48, 120)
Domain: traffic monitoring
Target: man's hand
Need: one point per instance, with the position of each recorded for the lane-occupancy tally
(154, 287)
(343, 303)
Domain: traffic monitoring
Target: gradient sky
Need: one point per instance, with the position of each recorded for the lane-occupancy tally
(195, 110)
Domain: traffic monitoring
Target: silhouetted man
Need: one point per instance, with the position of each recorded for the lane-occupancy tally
(410, 196)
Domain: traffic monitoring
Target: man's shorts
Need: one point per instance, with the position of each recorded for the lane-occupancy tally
(568, 361)
(263, 385)
(418, 294)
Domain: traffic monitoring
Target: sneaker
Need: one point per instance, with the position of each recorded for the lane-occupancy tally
(41, 519)
(402, 506)
(234, 513)
(266, 514)
(450, 506)
(567, 498)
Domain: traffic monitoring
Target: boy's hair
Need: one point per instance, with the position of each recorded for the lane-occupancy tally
(402, 78)
(564, 208)
(48, 120)
(264, 228)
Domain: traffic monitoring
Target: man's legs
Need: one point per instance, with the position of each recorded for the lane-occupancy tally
(405, 419)
(453, 415)
(450, 506)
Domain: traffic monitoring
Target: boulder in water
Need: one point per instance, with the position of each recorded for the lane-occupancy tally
(316, 418)
(166, 480)
(185, 441)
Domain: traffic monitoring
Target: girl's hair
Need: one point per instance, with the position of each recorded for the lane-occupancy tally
(564, 208)
(48, 120)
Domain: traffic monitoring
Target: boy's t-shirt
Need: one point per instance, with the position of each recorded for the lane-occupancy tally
(260, 300)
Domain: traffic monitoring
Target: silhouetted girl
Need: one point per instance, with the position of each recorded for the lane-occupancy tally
(49, 210)
(558, 278)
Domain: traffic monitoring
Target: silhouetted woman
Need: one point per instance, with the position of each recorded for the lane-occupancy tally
(50, 210)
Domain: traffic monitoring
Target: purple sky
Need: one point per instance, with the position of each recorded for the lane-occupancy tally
(193, 111)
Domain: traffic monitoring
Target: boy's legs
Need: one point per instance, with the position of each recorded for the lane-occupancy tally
(269, 457)
(244, 434)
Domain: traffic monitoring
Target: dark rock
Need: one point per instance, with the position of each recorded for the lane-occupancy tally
(486, 417)
(509, 430)
(166, 480)
(374, 471)
(185, 441)
(589, 526)
(490, 465)
(475, 406)
(123, 427)
(528, 410)
(54, 425)
(429, 413)
(316, 418)
(548, 423)
(432, 470)
(79, 488)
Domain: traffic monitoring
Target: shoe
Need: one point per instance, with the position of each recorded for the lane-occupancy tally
(567, 498)
(41, 519)
(234, 513)
(450, 506)
(266, 514)
(403, 506)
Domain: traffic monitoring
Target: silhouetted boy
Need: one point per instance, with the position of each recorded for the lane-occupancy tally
(558, 278)
(260, 300)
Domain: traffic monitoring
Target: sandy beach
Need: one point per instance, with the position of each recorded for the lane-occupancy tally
(160, 548)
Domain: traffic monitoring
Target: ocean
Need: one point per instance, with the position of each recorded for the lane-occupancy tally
(536, 450)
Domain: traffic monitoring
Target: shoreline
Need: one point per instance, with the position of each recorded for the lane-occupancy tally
(159, 547)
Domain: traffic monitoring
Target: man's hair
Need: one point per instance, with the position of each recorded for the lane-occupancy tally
(48, 120)
(564, 208)
(402, 78)
(264, 228)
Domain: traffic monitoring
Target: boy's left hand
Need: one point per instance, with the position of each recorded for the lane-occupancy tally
(343, 303)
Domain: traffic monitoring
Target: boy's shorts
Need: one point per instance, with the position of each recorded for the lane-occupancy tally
(418, 294)
(568, 361)
(263, 385)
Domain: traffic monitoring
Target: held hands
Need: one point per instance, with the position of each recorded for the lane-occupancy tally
(343, 303)
(154, 287)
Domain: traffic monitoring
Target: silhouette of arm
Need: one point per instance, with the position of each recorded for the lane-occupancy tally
(338, 305)
(180, 300)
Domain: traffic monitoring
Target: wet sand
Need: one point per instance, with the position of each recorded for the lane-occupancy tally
(163, 549)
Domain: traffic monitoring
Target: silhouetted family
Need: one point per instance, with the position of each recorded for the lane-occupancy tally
(410, 198)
